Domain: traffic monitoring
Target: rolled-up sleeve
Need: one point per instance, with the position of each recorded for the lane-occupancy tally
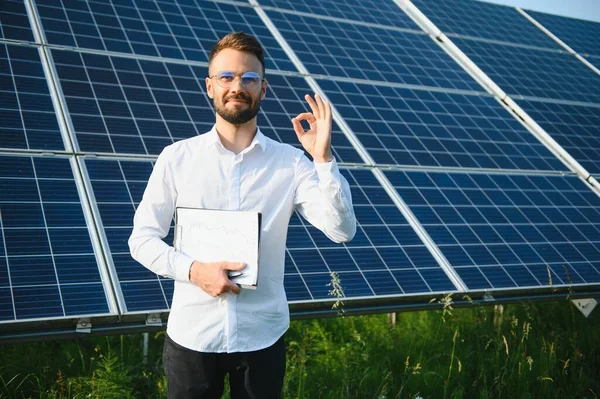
(151, 225)
(323, 198)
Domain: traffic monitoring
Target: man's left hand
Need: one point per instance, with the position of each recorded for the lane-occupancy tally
(317, 140)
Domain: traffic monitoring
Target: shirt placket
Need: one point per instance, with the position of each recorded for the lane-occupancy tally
(233, 205)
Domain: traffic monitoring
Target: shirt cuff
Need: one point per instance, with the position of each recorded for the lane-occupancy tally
(327, 172)
(182, 267)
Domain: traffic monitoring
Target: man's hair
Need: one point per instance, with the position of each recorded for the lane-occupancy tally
(242, 42)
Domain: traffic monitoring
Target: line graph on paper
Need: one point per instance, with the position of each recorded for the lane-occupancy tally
(213, 236)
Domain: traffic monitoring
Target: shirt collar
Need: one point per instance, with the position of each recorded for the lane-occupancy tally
(259, 139)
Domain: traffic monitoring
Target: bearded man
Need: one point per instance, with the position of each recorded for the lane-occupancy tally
(215, 328)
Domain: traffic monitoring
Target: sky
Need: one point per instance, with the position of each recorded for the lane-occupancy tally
(582, 9)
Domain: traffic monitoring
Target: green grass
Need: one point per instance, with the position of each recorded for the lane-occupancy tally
(543, 350)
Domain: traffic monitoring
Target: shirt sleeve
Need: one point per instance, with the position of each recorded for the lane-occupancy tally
(151, 225)
(323, 198)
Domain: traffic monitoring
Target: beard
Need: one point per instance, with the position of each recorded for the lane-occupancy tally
(237, 116)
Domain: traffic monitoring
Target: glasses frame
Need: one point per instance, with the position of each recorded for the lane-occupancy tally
(240, 76)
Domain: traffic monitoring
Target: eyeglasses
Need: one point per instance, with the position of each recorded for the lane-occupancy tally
(250, 80)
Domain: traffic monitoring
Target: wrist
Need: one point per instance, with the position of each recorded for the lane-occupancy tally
(194, 263)
(323, 159)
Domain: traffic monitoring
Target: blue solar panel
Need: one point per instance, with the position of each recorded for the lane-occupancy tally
(386, 257)
(28, 118)
(130, 106)
(423, 128)
(538, 73)
(500, 231)
(575, 127)
(161, 28)
(369, 11)
(14, 22)
(484, 20)
(48, 267)
(508, 231)
(582, 36)
(118, 187)
(375, 263)
(344, 49)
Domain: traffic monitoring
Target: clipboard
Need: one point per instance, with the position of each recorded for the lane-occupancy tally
(220, 235)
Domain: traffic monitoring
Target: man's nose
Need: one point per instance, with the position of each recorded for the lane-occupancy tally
(236, 85)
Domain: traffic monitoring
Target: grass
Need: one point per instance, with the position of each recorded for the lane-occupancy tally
(537, 350)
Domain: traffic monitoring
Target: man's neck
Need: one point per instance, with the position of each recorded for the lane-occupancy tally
(236, 138)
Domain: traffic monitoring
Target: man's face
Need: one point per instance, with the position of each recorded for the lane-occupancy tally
(236, 104)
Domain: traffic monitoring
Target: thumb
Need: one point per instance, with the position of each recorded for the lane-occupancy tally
(234, 265)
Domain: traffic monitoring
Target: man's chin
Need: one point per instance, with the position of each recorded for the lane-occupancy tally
(236, 119)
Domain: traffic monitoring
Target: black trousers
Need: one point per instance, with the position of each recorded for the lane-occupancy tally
(192, 374)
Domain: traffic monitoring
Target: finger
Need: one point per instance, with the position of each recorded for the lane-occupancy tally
(298, 128)
(313, 105)
(320, 105)
(234, 266)
(327, 111)
(232, 287)
(307, 116)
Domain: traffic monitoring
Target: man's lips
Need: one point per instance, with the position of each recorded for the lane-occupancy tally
(237, 100)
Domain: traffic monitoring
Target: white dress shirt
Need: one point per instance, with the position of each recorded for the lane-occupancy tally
(269, 177)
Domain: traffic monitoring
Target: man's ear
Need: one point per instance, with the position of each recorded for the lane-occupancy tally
(263, 90)
(209, 87)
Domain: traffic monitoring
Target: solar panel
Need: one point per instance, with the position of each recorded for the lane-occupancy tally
(48, 266)
(580, 35)
(511, 219)
(531, 72)
(375, 263)
(179, 30)
(132, 106)
(369, 11)
(350, 50)
(28, 117)
(508, 231)
(575, 127)
(424, 128)
(385, 258)
(484, 20)
(14, 22)
(118, 187)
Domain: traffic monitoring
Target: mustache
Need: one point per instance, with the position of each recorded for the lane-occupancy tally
(238, 96)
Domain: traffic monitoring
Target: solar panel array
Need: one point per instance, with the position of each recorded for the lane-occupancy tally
(528, 65)
(48, 266)
(450, 190)
(580, 35)
(478, 19)
(505, 231)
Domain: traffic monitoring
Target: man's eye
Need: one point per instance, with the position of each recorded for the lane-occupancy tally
(226, 78)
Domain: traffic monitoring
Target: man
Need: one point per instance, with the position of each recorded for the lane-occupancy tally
(215, 328)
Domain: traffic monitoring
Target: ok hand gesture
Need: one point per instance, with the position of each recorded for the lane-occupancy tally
(317, 140)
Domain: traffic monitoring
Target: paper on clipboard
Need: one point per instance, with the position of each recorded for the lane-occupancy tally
(220, 235)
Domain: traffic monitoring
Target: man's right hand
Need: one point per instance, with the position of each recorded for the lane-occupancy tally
(212, 277)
